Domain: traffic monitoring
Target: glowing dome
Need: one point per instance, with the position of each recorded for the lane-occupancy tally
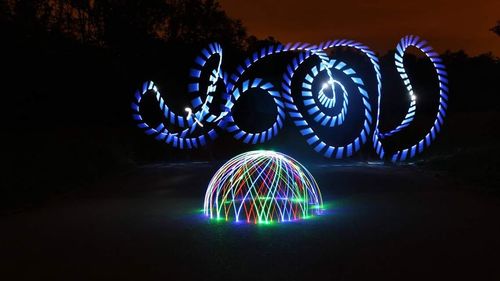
(262, 187)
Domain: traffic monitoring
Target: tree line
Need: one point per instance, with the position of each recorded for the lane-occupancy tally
(118, 23)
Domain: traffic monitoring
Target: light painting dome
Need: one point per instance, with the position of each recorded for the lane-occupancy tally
(262, 187)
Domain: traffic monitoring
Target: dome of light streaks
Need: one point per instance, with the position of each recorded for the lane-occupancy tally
(262, 187)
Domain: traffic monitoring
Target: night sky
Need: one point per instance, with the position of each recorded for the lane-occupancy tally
(446, 24)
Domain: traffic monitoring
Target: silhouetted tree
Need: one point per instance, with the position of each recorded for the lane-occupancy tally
(496, 28)
(254, 44)
(25, 12)
(127, 23)
(124, 22)
(4, 10)
(201, 21)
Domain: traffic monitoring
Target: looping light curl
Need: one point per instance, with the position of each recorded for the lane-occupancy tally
(317, 104)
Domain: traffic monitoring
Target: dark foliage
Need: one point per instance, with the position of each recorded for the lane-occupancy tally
(496, 28)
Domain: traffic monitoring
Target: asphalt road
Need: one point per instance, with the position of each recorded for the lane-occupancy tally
(390, 222)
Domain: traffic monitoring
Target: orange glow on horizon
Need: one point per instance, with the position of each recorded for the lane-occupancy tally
(446, 24)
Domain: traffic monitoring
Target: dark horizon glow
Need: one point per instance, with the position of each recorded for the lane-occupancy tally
(447, 24)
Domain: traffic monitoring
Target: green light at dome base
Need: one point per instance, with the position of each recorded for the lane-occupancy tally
(262, 187)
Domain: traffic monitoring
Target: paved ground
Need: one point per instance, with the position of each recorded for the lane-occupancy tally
(396, 223)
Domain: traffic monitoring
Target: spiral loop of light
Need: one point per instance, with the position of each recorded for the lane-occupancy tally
(192, 133)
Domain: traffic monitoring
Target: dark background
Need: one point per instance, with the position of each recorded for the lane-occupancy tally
(448, 24)
(70, 69)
